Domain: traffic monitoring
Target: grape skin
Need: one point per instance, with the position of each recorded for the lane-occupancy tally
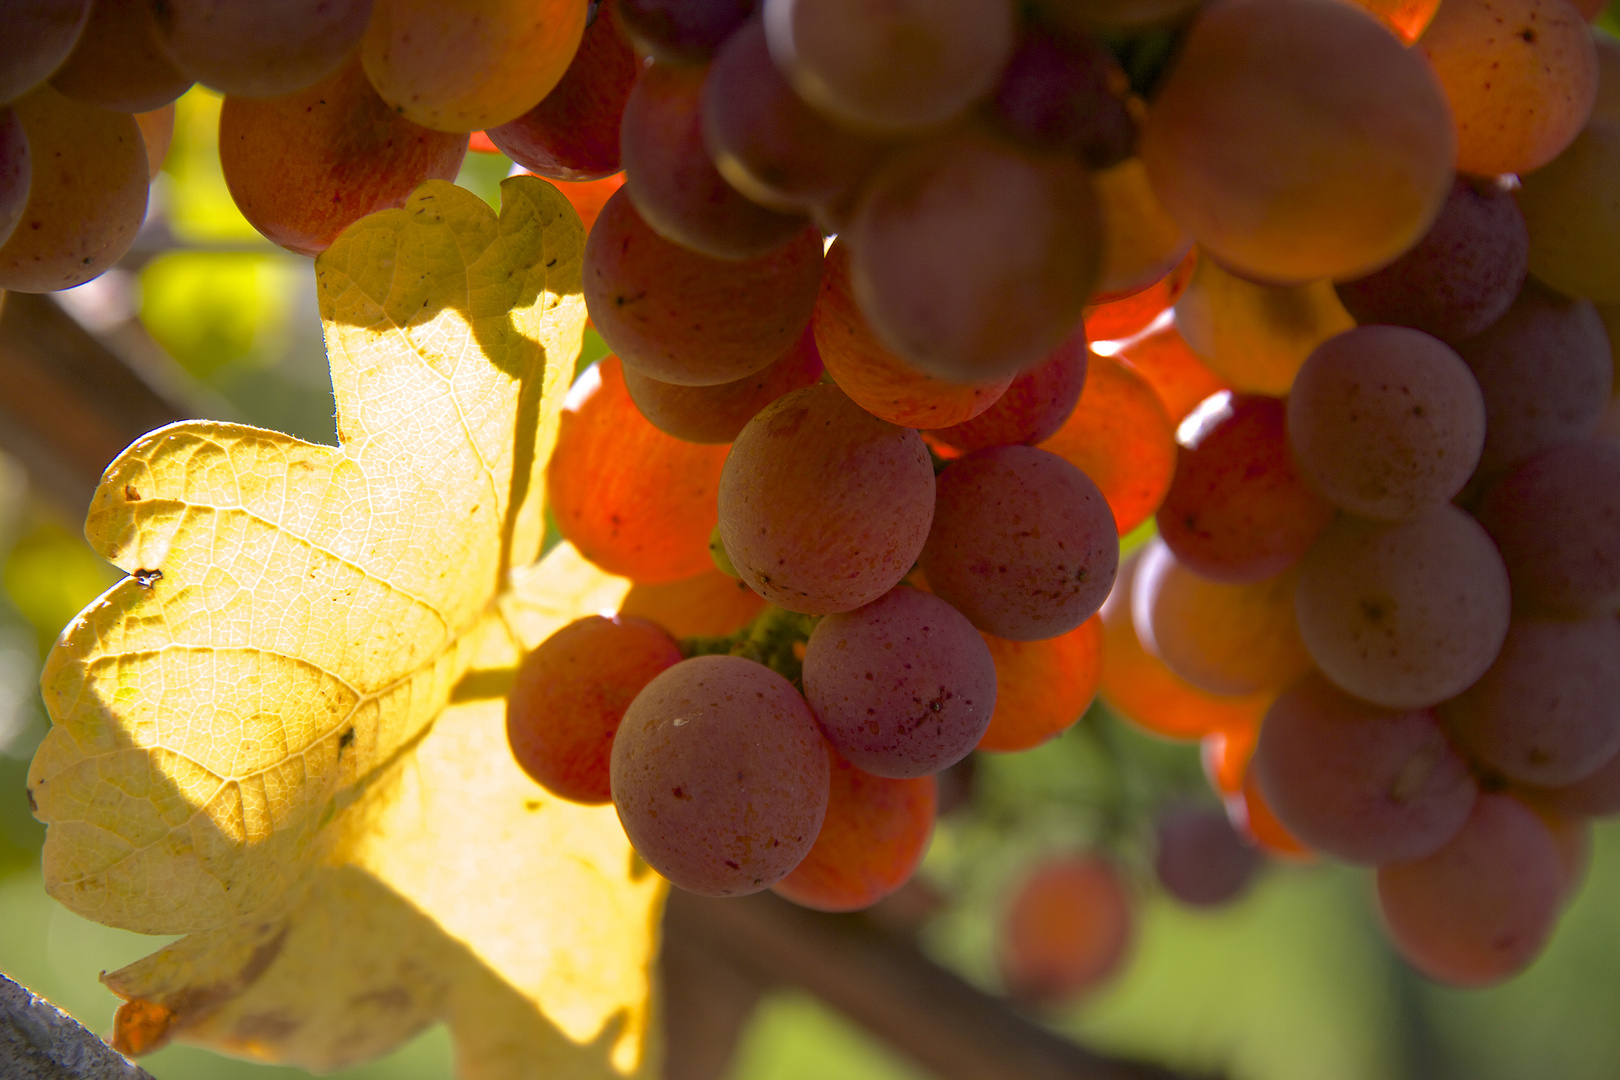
(1042, 687)
(36, 36)
(1034, 407)
(1572, 209)
(252, 49)
(717, 414)
(1200, 859)
(1068, 927)
(117, 62)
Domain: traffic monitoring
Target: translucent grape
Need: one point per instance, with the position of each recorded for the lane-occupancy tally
(973, 258)
(720, 776)
(573, 133)
(253, 49)
(1520, 75)
(634, 500)
(1299, 140)
(1572, 208)
(1067, 929)
(715, 414)
(1364, 784)
(1042, 687)
(767, 142)
(1252, 816)
(1120, 437)
(875, 833)
(472, 65)
(1142, 688)
(706, 604)
(1225, 755)
(1200, 859)
(1407, 18)
(1233, 640)
(674, 182)
(903, 687)
(86, 194)
(1255, 337)
(304, 167)
(118, 63)
(1034, 407)
(1545, 371)
(1116, 320)
(570, 695)
(35, 37)
(1238, 509)
(588, 197)
(1548, 710)
(1556, 519)
(1461, 277)
(1408, 614)
(1066, 93)
(16, 171)
(681, 317)
(683, 31)
(157, 131)
(1141, 243)
(1022, 543)
(1386, 421)
(824, 507)
(874, 377)
(890, 67)
(1176, 373)
(1478, 910)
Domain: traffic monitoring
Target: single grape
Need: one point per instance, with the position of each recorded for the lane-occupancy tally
(973, 258)
(1478, 910)
(1238, 510)
(1023, 543)
(570, 695)
(1461, 277)
(573, 133)
(1385, 421)
(1546, 374)
(903, 686)
(1116, 320)
(1572, 208)
(1066, 93)
(1299, 140)
(472, 65)
(683, 31)
(1256, 337)
(1200, 859)
(1548, 710)
(875, 833)
(824, 507)
(1520, 75)
(890, 67)
(1067, 929)
(1404, 614)
(1362, 783)
(681, 317)
(16, 171)
(1252, 816)
(1142, 688)
(86, 193)
(1141, 243)
(720, 776)
(253, 49)
(304, 167)
(875, 378)
(715, 414)
(1598, 795)
(157, 131)
(1229, 639)
(1225, 756)
(674, 182)
(706, 604)
(767, 142)
(35, 37)
(1177, 374)
(634, 500)
(118, 63)
(1407, 18)
(1042, 687)
(1034, 407)
(1556, 519)
(1120, 437)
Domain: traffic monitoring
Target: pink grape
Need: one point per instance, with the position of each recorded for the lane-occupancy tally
(1201, 860)
(716, 414)
(1034, 406)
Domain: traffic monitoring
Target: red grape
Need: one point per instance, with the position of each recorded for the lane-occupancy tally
(1067, 929)
(1035, 405)
(1066, 93)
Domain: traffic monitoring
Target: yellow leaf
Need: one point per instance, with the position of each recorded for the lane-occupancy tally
(252, 740)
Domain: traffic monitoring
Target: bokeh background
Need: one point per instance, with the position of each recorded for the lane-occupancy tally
(1292, 982)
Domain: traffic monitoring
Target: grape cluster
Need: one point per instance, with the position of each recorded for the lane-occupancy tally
(1358, 269)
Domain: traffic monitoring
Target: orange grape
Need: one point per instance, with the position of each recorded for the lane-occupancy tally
(1407, 18)
(1067, 929)
(1521, 76)
(1119, 319)
(1121, 438)
(716, 414)
(1252, 816)
(1176, 373)
(1141, 243)
(157, 131)
(587, 197)
(1042, 687)
(704, 605)
(1226, 755)
(634, 500)
(1298, 140)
